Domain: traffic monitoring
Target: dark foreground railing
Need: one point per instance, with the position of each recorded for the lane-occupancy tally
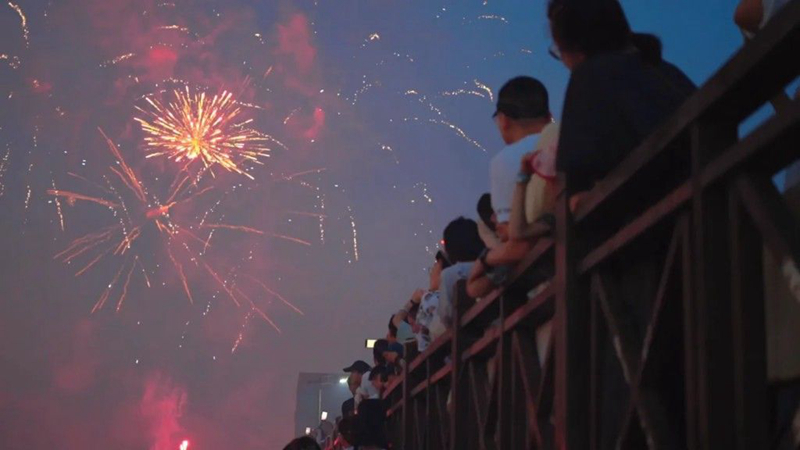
(574, 364)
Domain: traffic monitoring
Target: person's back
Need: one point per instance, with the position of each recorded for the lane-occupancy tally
(614, 100)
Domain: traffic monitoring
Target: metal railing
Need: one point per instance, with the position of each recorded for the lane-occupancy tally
(684, 367)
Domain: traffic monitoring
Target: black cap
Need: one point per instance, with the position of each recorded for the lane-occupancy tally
(358, 366)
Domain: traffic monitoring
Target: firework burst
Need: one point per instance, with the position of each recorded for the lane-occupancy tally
(195, 126)
(137, 213)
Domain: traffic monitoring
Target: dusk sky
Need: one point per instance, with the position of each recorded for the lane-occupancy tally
(379, 117)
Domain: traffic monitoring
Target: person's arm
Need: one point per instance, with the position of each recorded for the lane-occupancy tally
(401, 315)
(508, 253)
(518, 226)
(478, 284)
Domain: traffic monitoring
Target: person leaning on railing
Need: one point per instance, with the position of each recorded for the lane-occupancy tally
(620, 90)
(463, 245)
(522, 113)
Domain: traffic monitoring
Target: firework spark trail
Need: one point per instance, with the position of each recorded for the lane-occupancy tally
(366, 86)
(355, 233)
(305, 213)
(459, 92)
(275, 294)
(4, 169)
(256, 231)
(25, 31)
(453, 127)
(195, 126)
(30, 171)
(305, 172)
(322, 219)
(493, 17)
(424, 188)
(484, 88)
(424, 100)
(241, 331)
(13, 61)
(174, 27)
(389, 149)
(117, 60)
(291, 114)
(58, 203)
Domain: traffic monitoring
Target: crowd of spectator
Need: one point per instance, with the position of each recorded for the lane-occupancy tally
(620, 90)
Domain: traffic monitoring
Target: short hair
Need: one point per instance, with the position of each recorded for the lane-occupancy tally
(381, 372)
(597, 26)
(485, 210)
(523, 98)
(302, 443)
(348, 429)
(392, 327)
(381, 345)
(462, 241)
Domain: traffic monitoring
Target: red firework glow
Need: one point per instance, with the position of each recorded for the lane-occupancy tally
(184, 445)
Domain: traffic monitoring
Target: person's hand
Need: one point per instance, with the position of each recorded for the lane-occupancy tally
(416, 297)
(526, 163)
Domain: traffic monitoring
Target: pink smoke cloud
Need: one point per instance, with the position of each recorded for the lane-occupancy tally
(294, 39)
(77, 373)
(316, 126)
(162, 406)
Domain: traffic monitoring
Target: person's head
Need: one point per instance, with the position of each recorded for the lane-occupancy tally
(582, 29)
(356, 371)
(485, 211)
(348, 431)
(462, 241)
(381, 346)
(522, 109)
(353, 382)
(302, 443)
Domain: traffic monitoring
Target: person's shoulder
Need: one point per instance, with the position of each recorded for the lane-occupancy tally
(511, 154)
(678, 76)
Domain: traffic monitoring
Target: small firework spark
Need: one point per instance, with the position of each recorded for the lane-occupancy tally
(199, 127)
(117, 60)
(455, 128)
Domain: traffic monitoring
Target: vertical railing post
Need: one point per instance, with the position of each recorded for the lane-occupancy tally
(505, 416)
(571, 333)
(711, 387)
(459, 388)
(407, 419)
(749, 335)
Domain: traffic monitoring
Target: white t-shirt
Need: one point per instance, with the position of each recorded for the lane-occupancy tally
(503, 175)
(444, 313)
(425, 316)
(366, 390)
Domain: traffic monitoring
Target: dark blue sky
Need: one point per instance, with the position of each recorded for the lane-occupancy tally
(366, 90)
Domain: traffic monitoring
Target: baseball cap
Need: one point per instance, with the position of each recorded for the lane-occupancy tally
(358, 366)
